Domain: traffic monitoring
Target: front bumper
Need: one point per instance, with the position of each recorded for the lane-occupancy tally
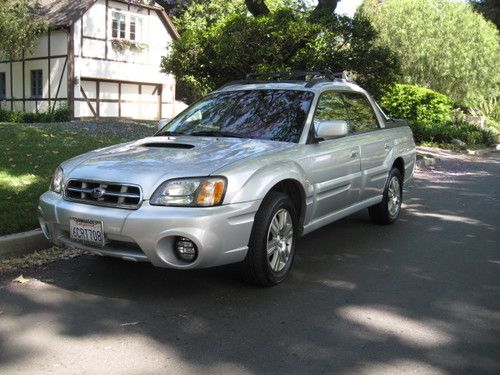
(221, 233)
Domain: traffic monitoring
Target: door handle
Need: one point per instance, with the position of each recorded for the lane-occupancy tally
(354, 153)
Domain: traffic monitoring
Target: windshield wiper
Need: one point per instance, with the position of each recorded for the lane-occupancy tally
(214, 133)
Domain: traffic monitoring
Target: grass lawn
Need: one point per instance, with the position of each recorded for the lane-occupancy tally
(30, 154)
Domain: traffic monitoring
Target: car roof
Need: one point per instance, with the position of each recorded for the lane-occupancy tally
(340, 85)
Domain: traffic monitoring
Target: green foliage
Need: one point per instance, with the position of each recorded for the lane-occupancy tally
(444, 133)
(441, 44)
(489, 109)
(19, 27)
(288, 38)
(199, 15)
(60, 114)
(417, 103)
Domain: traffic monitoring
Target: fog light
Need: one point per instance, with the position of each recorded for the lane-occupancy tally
(185, 249)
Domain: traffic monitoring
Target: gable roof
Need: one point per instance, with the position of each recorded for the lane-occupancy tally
(60, 13)
(64, 13)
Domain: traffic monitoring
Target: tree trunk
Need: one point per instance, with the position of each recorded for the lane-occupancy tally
(257, 7)
(325, 6)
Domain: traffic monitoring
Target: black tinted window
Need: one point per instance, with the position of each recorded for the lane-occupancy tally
(3, 91)
(361, 115)
(264, 114)
(36, 83)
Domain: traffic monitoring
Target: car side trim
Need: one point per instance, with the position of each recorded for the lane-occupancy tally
(334, 216)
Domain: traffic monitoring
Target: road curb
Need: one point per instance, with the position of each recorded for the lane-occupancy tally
(22, 243)
(484, 151)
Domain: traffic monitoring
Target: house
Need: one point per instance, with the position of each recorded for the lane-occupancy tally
(100, 57)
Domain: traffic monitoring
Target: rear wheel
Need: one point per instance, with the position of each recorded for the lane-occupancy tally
(272, 242)
(387, 211)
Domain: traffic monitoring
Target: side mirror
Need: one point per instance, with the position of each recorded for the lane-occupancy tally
(163, 122)
(332, 129)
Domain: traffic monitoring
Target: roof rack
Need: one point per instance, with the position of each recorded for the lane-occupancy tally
(311, 77)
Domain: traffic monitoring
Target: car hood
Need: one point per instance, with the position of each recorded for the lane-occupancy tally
(153, 160)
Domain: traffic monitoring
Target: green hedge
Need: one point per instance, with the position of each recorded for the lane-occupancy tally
(59, 115)
(417, 103)
(444, 133)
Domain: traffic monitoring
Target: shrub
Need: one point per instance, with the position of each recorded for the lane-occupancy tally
(16, 116)
(444, 133)
(60, 114)
(29, 118)
(417, 103)
(4, 115)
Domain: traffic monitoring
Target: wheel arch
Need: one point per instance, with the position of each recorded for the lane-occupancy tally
(399, 164)
(295, 191)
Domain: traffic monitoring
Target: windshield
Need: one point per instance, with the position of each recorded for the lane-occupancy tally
(278, 115)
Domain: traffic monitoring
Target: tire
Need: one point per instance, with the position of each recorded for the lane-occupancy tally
(387, 211)
(273, 222)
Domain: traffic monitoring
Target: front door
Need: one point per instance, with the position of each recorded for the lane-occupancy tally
(335, 163)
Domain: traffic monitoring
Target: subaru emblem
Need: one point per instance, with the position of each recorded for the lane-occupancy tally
(97, 193)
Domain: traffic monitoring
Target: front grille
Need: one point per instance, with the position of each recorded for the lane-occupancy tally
(104, 194)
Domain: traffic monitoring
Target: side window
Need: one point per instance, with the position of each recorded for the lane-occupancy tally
(36, 83)
(126, 26)
(118, 26)
(362, 118)
(330, 107)
(3, 91)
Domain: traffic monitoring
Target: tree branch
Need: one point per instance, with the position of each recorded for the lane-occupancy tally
(257, 7)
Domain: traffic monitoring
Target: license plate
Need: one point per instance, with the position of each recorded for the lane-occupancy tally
(86, 231)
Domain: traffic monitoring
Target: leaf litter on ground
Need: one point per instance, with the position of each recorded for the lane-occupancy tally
(38, 258)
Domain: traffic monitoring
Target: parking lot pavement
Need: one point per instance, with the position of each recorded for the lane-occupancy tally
(420, 296)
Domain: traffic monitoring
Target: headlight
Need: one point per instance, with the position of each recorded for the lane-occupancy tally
(191, 192)
(56, 185)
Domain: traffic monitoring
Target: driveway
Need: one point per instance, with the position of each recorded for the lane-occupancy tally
(421, 296)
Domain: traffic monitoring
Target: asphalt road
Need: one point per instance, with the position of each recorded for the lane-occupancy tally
(421, 296)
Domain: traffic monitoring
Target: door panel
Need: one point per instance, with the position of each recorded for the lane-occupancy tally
(335, 175)
(375, 148)
(335, 164)
(373, 141)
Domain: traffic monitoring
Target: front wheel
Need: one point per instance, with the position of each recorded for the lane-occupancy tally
(387, 211)
(272, 243)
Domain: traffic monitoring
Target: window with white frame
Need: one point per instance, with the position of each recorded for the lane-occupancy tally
(126, 26)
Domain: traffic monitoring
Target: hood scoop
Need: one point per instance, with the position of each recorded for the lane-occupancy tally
(167, 145)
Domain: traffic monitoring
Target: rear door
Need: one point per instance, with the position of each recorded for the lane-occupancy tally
(335, 163)
(375, 144)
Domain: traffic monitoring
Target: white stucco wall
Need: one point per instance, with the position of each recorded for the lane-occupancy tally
(94, 60)
(38, 59)
(139, 72)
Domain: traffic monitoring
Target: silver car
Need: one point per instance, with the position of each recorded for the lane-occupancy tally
(236, 178)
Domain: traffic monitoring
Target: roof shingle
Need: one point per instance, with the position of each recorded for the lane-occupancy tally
(60, 13)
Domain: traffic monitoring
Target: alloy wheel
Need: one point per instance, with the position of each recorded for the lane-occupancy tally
(280, 240)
